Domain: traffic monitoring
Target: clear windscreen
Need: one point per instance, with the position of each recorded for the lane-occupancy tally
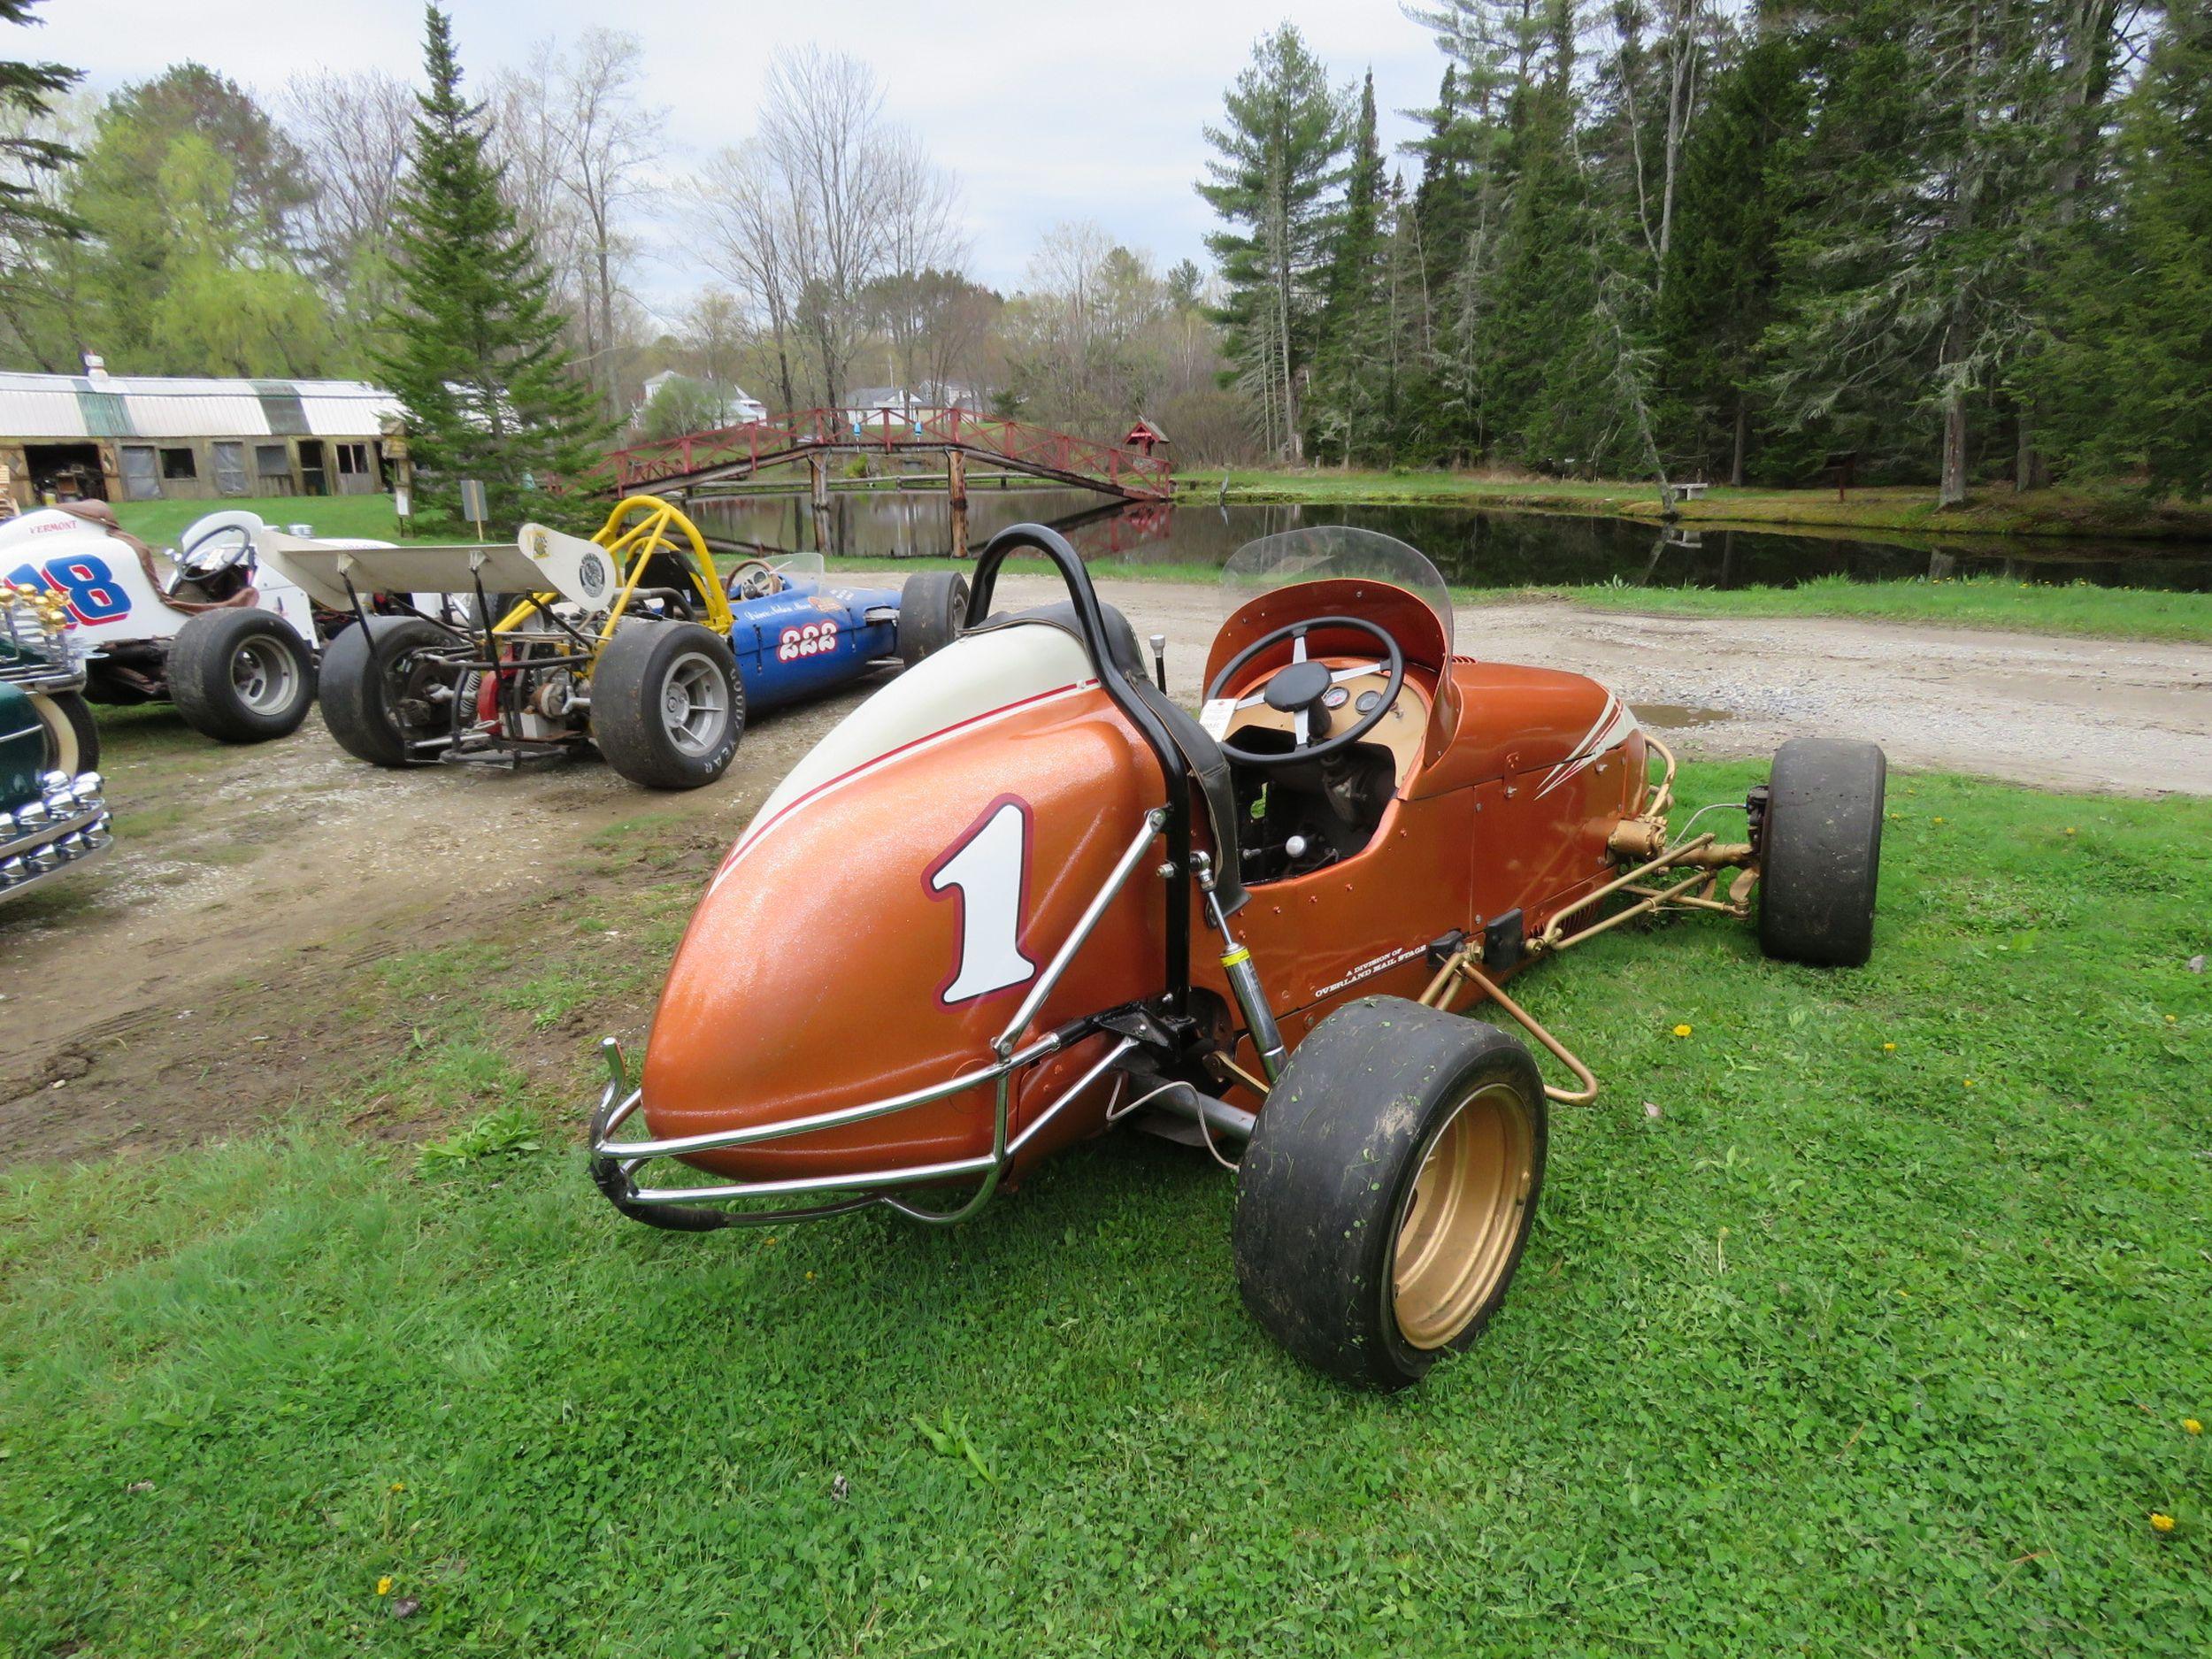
(1332, 552)
(799, 567)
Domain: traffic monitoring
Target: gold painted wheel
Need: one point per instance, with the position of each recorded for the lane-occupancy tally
(1462, 1216)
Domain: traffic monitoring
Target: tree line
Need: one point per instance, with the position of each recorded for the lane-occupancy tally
(1954, 241)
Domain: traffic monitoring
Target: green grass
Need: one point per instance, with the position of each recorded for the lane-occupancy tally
(1820, 1347)
(1996, 602)
(161, 522)
(2107, 510)
(2073, 607)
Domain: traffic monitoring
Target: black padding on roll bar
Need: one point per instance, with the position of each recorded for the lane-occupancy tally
(1177, 769)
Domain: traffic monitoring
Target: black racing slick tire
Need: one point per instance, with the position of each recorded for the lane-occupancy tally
(73, 736)
(933, 604)
(1388, 1190)
(241, 676)
(1820, 852)
(667, 708)
(360, 680)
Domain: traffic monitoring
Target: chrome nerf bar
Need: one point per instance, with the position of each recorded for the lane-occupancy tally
(617, 1162)
(65, 825)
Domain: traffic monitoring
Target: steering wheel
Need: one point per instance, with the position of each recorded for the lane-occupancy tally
(203, 557)
(752, 578)
(1298, 690)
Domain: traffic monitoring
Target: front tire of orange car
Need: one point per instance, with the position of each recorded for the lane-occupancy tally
(1820, 852)
(1386, 1195)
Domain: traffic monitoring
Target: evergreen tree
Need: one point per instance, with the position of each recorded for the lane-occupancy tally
(488, 391)
(1739, 198)
(2128, 377)
(30, 223)
(1278, 165)
(1351, 337)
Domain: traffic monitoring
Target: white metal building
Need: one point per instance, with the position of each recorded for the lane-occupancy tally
(139, 437)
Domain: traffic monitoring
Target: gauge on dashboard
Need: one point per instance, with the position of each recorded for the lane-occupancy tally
(1368, 700)
(1334, 697)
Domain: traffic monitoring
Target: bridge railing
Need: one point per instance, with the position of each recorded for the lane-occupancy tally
(784, 437)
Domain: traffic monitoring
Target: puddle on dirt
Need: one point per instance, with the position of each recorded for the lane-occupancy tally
(1669, 717)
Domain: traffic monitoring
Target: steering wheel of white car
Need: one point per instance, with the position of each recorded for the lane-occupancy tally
(1300, 688)
(202, 559)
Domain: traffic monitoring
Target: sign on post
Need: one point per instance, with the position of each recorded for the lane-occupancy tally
(472, 505)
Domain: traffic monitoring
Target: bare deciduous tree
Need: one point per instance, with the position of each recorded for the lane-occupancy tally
(355, 130)
(745, 219)
(612, 141)
(578, 146)
(826, 200)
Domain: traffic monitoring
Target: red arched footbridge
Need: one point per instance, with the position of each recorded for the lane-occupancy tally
(733, 453)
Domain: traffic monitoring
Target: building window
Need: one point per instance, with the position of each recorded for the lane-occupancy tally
(353, 459)
(179, 463)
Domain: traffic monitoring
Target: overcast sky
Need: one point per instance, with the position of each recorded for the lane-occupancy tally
(1046, 110)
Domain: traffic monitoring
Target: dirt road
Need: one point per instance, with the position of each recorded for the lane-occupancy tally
(214, 972)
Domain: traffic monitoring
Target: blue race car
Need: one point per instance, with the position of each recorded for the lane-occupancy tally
(796, 634)
(631, 641)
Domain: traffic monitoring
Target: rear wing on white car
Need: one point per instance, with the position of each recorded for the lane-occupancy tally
(539, 560)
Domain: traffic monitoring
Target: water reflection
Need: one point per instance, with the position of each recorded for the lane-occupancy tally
(1472, 547)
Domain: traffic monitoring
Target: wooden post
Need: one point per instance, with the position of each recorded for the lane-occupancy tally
(818, 465)
(956, 494)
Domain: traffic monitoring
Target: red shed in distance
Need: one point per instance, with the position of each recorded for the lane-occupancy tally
(1144, 436)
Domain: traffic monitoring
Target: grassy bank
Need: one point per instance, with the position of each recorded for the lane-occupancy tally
(1995, 601)
(1865, 1317)
(2111, 512)
(1992, 602)
(162, 522)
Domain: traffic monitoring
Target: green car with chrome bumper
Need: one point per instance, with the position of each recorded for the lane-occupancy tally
(51, 814)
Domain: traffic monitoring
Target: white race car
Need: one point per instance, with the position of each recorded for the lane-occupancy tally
(211, 627)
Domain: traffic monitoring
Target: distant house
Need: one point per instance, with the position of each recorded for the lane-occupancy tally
(738, 407)
(925, 401)
(146, 437)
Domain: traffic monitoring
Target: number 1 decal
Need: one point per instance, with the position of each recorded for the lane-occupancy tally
(987, 871)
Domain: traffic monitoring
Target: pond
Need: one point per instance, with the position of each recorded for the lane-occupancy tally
(1474, 548)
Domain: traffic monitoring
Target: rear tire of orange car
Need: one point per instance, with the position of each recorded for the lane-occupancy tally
(933, 604)
(1386, 1195)
(667, 708)
(1820, 852)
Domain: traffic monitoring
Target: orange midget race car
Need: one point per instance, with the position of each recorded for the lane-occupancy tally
(1061, 903)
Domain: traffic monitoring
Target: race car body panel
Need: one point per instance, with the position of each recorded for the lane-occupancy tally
(897, 898)
(809, 638)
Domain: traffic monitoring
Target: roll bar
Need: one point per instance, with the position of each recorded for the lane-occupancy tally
(1174, 770)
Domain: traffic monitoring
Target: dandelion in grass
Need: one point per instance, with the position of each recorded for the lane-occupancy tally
(1889, 1047)
(2189, 1425)
(1969, 1082)
(2161, 1522)
(384, 1585)
(1681, 1031)
(399, 1486)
